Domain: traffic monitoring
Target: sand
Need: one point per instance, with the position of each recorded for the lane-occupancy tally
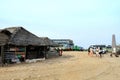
(71, 66)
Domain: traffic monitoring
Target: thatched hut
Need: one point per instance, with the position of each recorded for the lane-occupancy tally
(16, 43)
(50, 45)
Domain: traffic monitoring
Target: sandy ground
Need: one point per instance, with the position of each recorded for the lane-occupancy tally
(70, 66)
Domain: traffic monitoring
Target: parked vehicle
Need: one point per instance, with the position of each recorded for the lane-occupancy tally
(77, 48)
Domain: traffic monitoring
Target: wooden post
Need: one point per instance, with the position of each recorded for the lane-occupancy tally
(25, 52)
(45, 53)
(2, 55)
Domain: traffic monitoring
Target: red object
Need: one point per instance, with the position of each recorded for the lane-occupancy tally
(60, 52)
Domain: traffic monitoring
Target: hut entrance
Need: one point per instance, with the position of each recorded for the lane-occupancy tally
(42, 51)
(34, 52)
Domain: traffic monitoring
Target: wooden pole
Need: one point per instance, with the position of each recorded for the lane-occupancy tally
(2, 55)
(44, 52)
(25, 52)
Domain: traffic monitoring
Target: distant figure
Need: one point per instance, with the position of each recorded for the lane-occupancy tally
(97, 52)
(100, 52)
(90, 52)
(114, 52)
(60, 52)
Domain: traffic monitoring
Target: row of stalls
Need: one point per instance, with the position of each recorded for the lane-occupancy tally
(18, 45)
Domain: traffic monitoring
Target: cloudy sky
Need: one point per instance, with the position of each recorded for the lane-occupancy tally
(86, 22)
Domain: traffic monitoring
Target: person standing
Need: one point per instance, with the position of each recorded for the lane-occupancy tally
(60, 52)
(97, 52)
(91, 52)
(100, 52)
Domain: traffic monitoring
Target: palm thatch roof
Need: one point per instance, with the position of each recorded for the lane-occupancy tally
(49, 42)
(19, 36)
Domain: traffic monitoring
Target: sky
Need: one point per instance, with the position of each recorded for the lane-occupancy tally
(86, 22)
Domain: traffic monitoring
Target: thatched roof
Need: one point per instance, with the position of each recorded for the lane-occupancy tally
(19, 36)
(3, 37)
(49, 42)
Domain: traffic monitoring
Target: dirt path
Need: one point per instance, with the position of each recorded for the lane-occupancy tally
(70, 66)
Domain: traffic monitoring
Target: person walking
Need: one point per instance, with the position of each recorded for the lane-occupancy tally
(100, 52)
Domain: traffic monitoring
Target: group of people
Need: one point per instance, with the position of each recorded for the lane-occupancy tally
(97, 51)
